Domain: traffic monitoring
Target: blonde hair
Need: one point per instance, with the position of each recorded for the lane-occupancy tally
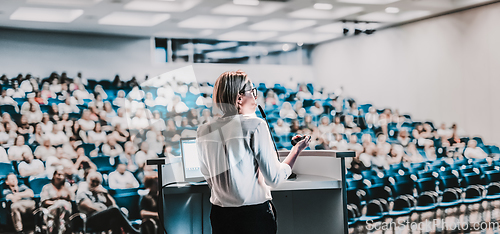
(226, 90)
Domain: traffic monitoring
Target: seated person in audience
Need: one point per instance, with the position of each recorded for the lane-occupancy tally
(444, 132)
(25, 108)
(295, 127)
(177, 106)
(281, 128)
(30, 166)
(206, 116)
(350, 126)
(144, 154)
(100, 207)
(472, 151)
(22, 200)
(56, 197)
(45, 150)
(121, 119)
(171, 131)
(56, 136)
(24, 128)
(353, 109)
(157, 123)
(18, 149)
(301, 111)
(379, 158)
(6, 119)
(128, 157)
(68, 107)
(303, 93)
(366, 157)
(65, 122)
(320, 144)
(83, 162)
(308, 123)
(149, 206)
(412, 154)
(325, 126)
(140, 121)
(121, 178)
(85, 122)
(338, 143)
(81, 93)
(58, 160)
(96, 136)
(34, 115)
(150, 102)
(382, 143)
(456, 142)
(317, 109)
(111, 148)
(287, 111)
(120, 99)
(271, 98)
(108, 110)
(372, 117)
(337, 126)
(46, 123)
(54, 112)
(15, 91)
(404, 137)
(7, 100)
(396, 154)
(354, 145)
(7, 135)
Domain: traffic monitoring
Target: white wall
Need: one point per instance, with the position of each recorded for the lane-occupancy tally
(445, 69)
(101, 57)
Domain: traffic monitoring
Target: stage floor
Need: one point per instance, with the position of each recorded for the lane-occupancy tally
(481, 217)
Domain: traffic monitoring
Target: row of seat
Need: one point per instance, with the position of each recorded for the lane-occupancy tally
(420, 187)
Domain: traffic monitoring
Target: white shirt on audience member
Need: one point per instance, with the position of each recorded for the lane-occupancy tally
(16, 152)
(120, 181)
(475, 152)
(3, 156)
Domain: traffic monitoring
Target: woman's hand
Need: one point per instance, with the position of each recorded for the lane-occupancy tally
(301, 145)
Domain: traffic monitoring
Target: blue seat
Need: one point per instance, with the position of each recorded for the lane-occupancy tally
(404, 200)
(37, 184)
(6, 169)
(105, 164)
(88, 148)
(450, 190)
(472, 187)
(427, 198)
(130, 201)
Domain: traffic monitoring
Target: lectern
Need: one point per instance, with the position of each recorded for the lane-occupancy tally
(313, 202)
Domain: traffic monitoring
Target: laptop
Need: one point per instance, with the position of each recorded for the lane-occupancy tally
(190, 161)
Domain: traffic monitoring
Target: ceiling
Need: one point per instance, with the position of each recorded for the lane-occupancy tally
(302, 21)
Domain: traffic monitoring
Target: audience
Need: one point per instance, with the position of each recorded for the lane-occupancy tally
(61, 121)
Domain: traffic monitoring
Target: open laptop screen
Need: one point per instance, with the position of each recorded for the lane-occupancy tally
(190, 161)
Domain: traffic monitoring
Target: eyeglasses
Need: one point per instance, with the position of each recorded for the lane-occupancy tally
(253, 90)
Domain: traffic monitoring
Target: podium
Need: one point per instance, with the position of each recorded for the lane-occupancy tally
(313, 202)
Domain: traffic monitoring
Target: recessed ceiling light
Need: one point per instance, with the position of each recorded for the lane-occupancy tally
(263, 8)
(369, 2)
(323, 6)
(246, 36)
(214, 22)
(282, 25)
(74, 3)
(134, 19)
(161, 6)
(386, 17)
(392, 10)
(46, 14)
(246, 2)
(311, 13)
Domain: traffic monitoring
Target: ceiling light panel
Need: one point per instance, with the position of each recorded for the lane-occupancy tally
(263, 8)
(73, 3)
(309, 38)
(311, 13)
(212, 22)
(161, 6)
(46, 14)
(246, 2)
(369, 2)
(282, 25)
(331, 28)
(389, 17)
(134, 19)
(246, 36)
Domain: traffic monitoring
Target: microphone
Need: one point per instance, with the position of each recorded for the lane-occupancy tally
(264, 116)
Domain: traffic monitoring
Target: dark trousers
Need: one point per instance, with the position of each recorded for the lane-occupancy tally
(253, 219)
(110, 219)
